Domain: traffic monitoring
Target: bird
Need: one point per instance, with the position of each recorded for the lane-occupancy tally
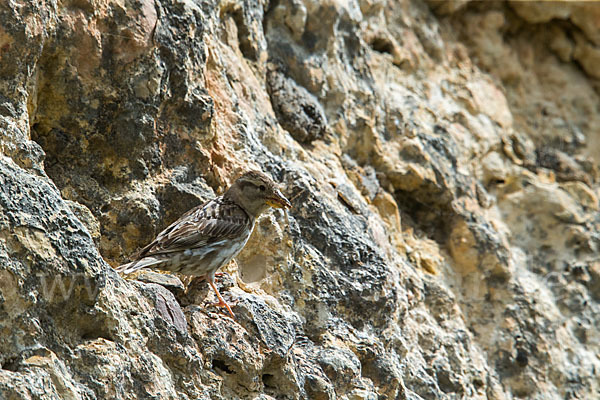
(208, 236)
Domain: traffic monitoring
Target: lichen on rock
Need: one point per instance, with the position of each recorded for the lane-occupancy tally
(442, 162)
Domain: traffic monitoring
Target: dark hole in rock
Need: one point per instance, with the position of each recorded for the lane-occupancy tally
(522, 358)
(446, 383)
(96, 334)
(382, 45)
(427, 216)
(244, 37)
(10, 364)
(269, 381)
(219, 364)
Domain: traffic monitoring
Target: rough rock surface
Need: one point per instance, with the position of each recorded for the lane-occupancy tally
(442, 158)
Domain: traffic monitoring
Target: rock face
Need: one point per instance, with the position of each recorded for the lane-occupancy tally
(442, 159)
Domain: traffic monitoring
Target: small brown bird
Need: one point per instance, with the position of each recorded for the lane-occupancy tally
(208, 236)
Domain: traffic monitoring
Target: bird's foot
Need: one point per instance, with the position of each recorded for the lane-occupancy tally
(223, 304)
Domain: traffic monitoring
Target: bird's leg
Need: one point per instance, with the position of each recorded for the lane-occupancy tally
(188, 279)
(221, 302)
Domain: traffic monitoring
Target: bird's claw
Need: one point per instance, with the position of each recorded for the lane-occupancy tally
(223, 304)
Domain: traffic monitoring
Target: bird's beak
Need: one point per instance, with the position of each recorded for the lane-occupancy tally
(278, 201)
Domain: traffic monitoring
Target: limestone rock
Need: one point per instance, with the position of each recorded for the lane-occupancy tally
(298, 111)
(442, 162)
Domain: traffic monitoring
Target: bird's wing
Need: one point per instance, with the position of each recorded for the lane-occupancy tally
(211, 222)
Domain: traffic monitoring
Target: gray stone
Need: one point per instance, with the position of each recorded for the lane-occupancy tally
(166, 305)
(441, 162)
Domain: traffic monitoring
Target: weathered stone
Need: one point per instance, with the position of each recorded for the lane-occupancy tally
(441, 159)
(298, 111)
(166, 306)
(170, 282)
(588, 55)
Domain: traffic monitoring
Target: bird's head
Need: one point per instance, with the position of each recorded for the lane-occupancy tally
(255, 192)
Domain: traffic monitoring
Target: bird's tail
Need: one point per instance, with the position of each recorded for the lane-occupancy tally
(138, 264)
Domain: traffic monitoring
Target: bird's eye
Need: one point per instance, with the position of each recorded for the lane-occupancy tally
(262, 188)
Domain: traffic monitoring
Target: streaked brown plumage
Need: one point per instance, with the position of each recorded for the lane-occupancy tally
(207, 237)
